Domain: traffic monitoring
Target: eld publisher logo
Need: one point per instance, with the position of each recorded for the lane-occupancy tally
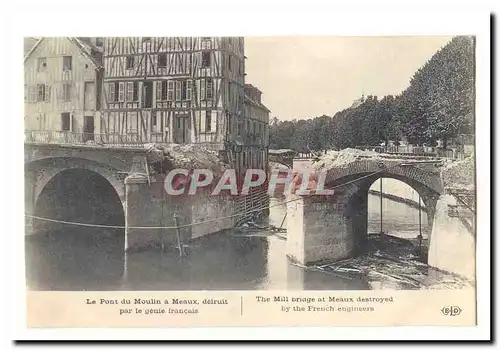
(451, 311)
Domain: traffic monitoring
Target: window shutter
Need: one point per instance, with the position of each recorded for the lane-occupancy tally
(121, 88)
(209, 88)
(47, 93)
(159, 94)
(178, 90)
(189, 89)
(170, 90)
(111, 96)
(130, 91)
(203, 120)
(213, 120)
(135, 86)
(202, 89)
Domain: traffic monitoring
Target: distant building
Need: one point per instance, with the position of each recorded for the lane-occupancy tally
(358, 102)
(256, 127)
(62, 84)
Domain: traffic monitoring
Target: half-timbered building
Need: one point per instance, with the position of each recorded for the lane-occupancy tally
(62, 82)
(173, 89)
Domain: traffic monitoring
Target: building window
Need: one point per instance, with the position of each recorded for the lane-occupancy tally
(209, 89)
(132, 91)
(41, 92)
(178, 90)
(121, 92)
(208, 121)
(147, 94)
(146, 39)
(206, 43)
(41, 64)
(162, 60)
(205, 59)
(66, 95)
(189, 90)
(65, 122)
(129, 62)
(112, 92)
(229, 63)
(186, 89)
(170, 90)
(67, 63)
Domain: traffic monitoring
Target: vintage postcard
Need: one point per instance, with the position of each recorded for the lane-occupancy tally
(181, 181)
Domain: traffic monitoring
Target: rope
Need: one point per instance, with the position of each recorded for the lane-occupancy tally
(201, 222)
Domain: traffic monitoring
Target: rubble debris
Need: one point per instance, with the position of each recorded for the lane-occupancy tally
(459, 175)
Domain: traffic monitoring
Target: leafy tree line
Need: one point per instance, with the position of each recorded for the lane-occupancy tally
(437, 105)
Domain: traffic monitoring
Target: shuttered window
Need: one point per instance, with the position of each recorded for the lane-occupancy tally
(170, 90)
(111, 92)
(130, 91)
(159, 90)
(178, 91)
(121, 92)
(209, 89)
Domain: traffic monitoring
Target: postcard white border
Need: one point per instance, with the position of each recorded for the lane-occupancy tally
(279, 18)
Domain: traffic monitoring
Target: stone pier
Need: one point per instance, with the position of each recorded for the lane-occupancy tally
(148, 205)
(320, 228)
(452, 243)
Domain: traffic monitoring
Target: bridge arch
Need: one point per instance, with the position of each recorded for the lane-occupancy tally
(352, 183)
(73, 189)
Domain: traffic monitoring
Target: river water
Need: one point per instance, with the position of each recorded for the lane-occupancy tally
(84, 259)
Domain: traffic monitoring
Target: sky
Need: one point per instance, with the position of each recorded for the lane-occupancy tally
(306, 77)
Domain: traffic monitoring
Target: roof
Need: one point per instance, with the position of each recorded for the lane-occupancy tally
(85, 48)
(252, 87)
(29, 42)
(255, 103)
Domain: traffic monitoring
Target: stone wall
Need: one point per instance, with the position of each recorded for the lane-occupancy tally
(452, 243)
(207, 207)
(148, 205)
(318, 230)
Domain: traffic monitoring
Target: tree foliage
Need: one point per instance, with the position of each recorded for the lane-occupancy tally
(437, 105)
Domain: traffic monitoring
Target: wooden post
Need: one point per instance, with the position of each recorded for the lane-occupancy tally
(420, 237)
(381, 216)
(179, 244)
(284, 217)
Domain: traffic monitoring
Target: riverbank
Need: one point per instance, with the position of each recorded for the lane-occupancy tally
(399, 199)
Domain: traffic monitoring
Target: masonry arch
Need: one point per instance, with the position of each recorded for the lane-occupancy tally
(352, 184)
(72, 189)
(78, 195)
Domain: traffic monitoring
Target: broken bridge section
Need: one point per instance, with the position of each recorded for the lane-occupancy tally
(334, 227)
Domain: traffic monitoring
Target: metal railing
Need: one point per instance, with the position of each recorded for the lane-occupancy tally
(109, 139)
(416, 151)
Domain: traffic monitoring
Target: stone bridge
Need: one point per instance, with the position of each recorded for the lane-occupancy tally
(335, 227)
(282, 156)
(100, 185)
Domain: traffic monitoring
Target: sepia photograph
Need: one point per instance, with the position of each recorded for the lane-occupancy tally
(277, 163)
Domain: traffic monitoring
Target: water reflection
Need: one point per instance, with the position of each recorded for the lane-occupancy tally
(81, 259)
